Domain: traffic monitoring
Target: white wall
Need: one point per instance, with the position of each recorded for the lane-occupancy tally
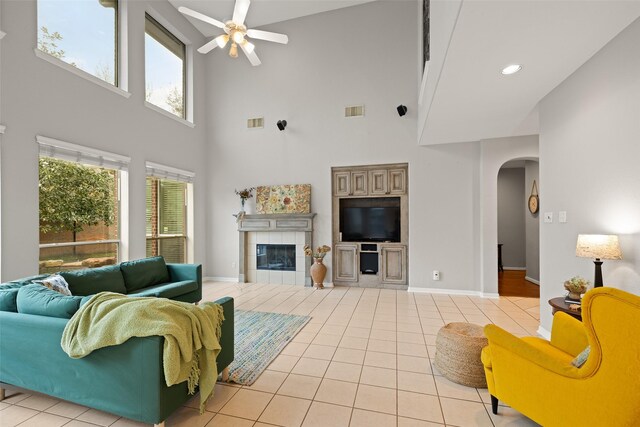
(39, 98)
(511, 220)
(589, 154)
(308, 83)
(532, 222)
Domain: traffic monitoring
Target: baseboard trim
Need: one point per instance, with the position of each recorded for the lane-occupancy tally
(534, 281)
(544, 333)
(515, 268)
(452, 292)
(221, 279)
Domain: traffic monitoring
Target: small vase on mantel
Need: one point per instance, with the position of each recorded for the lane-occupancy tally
(242, 202)
(318, 271)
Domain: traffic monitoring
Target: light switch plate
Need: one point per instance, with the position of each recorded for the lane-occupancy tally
(562, 216)
(548, 217)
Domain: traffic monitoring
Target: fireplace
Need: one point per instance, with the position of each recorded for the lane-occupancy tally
(276, 257)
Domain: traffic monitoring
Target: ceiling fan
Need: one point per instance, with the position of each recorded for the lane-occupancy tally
(236, 33)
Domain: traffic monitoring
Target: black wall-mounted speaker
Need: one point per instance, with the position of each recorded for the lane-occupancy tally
(402, 110)
(281, 124)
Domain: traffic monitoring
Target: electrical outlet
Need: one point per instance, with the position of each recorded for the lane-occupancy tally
(436, 275)
(548, 217)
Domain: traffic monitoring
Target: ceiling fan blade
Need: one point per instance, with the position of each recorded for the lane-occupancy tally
(251, 54)
(201, 17)
(268, 36)
(240, 11)
(208, 47)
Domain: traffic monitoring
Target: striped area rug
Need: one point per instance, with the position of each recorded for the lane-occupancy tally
(259, 338)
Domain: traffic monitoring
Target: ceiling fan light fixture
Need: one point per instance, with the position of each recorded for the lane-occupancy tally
(233, 51)
(237, 36)
(222, 40)
(511, 69)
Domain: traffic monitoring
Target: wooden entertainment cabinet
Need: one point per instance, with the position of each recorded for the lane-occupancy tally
(380, 264)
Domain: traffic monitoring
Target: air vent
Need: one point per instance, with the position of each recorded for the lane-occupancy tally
(257, 122)
(354, 111)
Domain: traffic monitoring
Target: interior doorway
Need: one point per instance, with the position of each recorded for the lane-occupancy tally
(518, 229)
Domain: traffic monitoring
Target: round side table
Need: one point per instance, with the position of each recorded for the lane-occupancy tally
(558, 304)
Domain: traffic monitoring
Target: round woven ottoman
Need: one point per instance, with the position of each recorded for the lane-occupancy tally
(458, 347)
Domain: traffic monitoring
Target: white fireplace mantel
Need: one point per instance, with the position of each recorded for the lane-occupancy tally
(259, 223)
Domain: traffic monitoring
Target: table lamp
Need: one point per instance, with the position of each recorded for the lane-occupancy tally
(598, 246)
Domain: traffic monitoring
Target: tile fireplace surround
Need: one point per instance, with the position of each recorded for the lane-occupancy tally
(280, 229)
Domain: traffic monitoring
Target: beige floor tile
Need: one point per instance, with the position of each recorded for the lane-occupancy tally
(324, 415)
(464, 413)
(311, 367)
(221, 420)
(283, 363)
(343, 372)
(361, 418)
(381, 346)
(353, 331)
(295, 349)
(410, 422)
(447, 388)
(332, 329)
(95, 416)
(221, 395)
(188, 417)
(304, 337)
(380, 377)
(410, 337)
(338, 392)
(376, 399)
(378, 334)
(409, 327)
(67, 409)
(77, 423)
(327, 339)
(301, 386)
(13, 397)
(380, 360)
(410, 349)
(349, 355)
(508, 417)
(418, 383)
(247, 404)
(39, 402)
(315, 351)
(44, 419)
(268, 381)
(14, 415)
(123, 422)
(420, 406)
(421, 365)
(4, 406)
(285, 411)
(354, 342)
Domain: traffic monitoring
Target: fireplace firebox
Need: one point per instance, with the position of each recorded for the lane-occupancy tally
(276, 257)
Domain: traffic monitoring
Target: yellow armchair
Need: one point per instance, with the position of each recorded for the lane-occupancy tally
(536, 377)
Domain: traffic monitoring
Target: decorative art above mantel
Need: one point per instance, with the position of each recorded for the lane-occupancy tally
(283, 199)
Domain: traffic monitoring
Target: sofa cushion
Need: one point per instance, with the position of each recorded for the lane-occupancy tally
(145, 272)
(36, 299)
(90, 281)
(55, 282)
(8, 294)
(30, 279)
(167, 290)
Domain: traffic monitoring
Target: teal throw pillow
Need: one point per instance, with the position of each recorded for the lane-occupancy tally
(8, 295)
(581, 358)
(142, 273)
(37, 299)
(93, 280)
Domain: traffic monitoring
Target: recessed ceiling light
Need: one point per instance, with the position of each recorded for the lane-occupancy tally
(511, 69)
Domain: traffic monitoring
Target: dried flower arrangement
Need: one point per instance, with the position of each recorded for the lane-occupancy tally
(319, 253)
(246, 193)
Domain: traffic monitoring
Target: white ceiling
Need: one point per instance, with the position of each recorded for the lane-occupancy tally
(551, 39)
(261, 12)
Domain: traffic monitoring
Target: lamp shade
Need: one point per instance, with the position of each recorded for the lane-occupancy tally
(600, 246)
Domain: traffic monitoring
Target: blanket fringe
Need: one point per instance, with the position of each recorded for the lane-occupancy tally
(194, 374)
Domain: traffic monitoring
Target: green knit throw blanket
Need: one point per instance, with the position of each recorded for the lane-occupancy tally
(191, 334)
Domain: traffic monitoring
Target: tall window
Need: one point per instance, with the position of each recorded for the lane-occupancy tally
(167, 219)
(79, 209)
(165, 68)
(83, 33)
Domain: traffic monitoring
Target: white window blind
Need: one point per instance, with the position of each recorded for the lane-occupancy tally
(50, 147)
(167, 172)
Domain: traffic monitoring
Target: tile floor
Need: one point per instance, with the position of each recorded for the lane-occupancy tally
(364, 360)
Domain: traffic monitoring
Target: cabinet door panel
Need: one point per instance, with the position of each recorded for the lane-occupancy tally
(397, 181)
(394, 264)
(341, 183)
(359, 183)
(346, 262)
(378, 182)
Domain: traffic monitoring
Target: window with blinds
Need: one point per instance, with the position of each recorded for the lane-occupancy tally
(165, 68)
(79, 206)
(166, 219)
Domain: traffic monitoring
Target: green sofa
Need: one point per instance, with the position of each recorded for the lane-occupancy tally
(126, 380)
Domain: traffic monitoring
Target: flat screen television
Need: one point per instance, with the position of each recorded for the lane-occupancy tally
(370, 224)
